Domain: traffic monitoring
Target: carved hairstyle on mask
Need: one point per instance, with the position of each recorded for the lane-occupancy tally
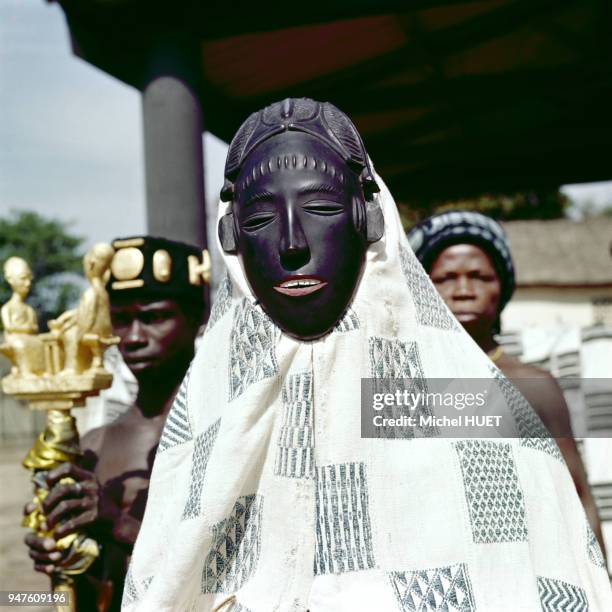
(321, 120)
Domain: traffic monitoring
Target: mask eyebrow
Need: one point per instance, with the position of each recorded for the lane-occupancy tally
(319, 188)
(260, 196)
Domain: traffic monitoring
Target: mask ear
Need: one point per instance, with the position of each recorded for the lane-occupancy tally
(375, 222)
(227, 235)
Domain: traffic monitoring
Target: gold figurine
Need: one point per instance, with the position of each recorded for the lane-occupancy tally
(85, 332)
(57, 371)
(21, 344)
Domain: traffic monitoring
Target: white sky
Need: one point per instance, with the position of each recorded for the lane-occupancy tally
(70, 135)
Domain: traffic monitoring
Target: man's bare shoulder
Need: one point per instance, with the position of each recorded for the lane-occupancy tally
(542, 391)
(93, 440)
(96, 439)
(513, 368)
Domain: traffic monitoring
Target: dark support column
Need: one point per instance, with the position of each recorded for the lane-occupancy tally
(174, 168)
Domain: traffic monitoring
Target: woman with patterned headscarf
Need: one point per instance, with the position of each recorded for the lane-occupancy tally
(270, 499)
(468, 258)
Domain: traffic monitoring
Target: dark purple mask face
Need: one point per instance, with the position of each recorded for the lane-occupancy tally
(296, 232)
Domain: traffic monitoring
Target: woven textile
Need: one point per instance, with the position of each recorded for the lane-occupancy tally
(266, 498)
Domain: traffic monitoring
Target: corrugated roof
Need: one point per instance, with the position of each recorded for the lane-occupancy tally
(561, 252)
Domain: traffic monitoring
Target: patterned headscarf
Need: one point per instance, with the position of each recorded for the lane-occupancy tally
(264, 495)
(430, 237)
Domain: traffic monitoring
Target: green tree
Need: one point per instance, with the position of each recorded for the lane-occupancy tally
(52, 252)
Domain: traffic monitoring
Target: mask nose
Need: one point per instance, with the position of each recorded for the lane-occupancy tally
(294, 251)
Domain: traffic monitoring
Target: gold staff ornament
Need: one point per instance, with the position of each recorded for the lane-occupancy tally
(56, 372)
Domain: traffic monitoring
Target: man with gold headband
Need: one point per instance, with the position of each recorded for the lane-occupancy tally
(272, 499)
(157, 307)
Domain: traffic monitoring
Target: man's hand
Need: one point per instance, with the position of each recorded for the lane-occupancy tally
(43, 550)
(70, 507)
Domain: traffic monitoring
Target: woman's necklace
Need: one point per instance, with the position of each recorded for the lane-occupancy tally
(495, 354)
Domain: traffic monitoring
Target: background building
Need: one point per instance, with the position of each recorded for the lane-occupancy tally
(560, 319)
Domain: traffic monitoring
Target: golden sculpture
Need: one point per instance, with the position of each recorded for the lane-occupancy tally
(21, 345)
(56, 372)
(86, 331)
(61, 368)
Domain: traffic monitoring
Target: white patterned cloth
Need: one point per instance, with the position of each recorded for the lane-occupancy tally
(264, 497)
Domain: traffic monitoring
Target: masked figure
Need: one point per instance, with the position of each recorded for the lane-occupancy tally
(270, 499)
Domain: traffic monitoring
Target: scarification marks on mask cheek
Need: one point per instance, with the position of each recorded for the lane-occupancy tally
(294, 161)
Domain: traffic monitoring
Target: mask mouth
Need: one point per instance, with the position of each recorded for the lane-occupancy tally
(298, 286)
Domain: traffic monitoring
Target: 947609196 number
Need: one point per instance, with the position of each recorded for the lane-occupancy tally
(34, 598)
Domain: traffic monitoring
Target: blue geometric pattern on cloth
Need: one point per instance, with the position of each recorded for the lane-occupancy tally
(343, 531)
(443, 589)
(594, 551)
(430, 308)
(295, 453)
(235, 547)
(222, 303)
(202, 448)
(394, 359)
(238, 607)
(495, 501)
(559, 596)
(397, 367)
(252, 348)
(130, 595)
(532, 432)
(177, 429)
(349, 322)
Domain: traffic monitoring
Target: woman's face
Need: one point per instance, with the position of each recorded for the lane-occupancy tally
(465, 277)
